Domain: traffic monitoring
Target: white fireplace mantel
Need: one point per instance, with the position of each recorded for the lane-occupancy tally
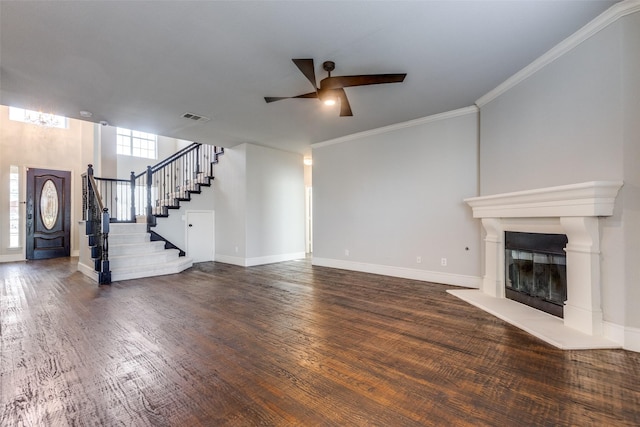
(587, 199)
(574, 210)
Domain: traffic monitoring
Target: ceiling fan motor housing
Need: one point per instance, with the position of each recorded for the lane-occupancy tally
(329, 66)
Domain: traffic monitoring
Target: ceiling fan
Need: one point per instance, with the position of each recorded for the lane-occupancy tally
(331, 89)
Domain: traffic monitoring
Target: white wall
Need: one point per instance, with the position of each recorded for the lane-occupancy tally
(274, 205)
(230, 193)
(391, 196)
(259, 206)
(562, 125)
(631, 191)
(576, 120)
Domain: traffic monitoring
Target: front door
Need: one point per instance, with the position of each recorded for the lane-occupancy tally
(48, 213)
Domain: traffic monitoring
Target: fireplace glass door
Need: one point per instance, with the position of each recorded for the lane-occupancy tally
(536, 271)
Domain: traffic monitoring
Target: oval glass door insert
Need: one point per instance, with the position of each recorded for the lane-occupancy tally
(49, 204)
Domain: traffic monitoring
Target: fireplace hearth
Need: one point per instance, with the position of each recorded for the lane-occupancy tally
(536, 270)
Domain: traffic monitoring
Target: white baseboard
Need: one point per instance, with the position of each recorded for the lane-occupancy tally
(235, 260)
(627, 336)
(12, 258)
(88, 271)
(405, 273)
(270, 259)
(631, 339)
(249, 262)
(613, 332)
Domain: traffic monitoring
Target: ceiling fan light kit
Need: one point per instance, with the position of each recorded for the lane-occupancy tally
(331, 89)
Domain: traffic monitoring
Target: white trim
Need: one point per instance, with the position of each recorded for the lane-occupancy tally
(270, 259)
(227, 259)
(12, 257)
(613, 332)
(250, 262)
(411, 123)
(88, 271)
(632, 339)
(602, 21)
(405, 273)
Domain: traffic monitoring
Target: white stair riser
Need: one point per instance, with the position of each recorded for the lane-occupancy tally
(135, 248)
(151, 271)
(127, 228)
(132, 260)
(123, 239)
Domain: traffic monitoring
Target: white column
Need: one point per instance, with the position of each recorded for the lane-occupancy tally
(493, 281)
(582, 310)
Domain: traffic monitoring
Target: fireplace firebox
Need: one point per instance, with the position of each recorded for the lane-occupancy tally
(536, 271)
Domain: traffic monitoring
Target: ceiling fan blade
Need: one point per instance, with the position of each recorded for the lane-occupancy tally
(308, 69)
(362, 80)
(345, 108)
(269, 99)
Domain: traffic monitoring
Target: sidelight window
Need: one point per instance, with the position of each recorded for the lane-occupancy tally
(14, 207)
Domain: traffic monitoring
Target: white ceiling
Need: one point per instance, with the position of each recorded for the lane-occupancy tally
(142, 64)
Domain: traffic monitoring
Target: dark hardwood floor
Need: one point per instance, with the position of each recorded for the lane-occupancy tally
(284, 344)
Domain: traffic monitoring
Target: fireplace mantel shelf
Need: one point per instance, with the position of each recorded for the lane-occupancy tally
(594, 198)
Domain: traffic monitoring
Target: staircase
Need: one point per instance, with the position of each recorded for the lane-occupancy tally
(119, 246)
(133, 255)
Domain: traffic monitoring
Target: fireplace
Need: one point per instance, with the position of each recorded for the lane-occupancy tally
(536, 270)
(570, 210)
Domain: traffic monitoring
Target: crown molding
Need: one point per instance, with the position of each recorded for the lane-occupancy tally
(411, 123)
(606, 18)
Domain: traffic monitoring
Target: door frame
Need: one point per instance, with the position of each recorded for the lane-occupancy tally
(66, 208)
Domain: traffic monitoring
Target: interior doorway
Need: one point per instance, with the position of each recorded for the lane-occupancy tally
(48, 224)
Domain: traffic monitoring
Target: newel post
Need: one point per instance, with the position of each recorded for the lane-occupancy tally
(104, 276)
(132, 181)
(149, 207)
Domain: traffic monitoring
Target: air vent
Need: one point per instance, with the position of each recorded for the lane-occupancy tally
(195, 117)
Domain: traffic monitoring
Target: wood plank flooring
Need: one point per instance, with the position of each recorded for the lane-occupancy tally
(285, 344)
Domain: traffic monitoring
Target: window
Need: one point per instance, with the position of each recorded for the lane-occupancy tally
(14, 207)
(137, 144)
(37, 118)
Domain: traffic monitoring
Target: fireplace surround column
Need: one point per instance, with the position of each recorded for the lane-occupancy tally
(493, 281)
(582, 309)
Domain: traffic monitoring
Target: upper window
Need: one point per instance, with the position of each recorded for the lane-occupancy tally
(37, 118)
(138, 144)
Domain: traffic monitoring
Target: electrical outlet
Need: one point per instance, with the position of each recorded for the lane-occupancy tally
(346, 252)
(443, 262)
(418, 259)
